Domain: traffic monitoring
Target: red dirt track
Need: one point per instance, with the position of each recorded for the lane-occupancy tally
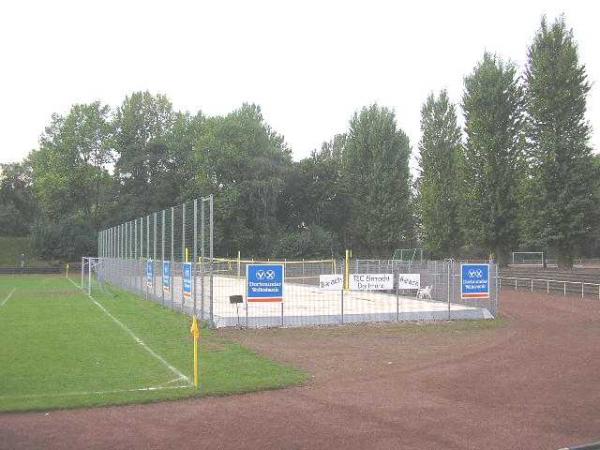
(531, 382)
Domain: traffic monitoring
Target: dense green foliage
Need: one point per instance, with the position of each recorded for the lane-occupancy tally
(18, 206)
(492, 104)
(441, 182)
(17, 249)
(522, 177)
(563, 179)
(376, 177)
(62, 350)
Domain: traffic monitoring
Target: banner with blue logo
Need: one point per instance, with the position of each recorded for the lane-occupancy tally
(149, 273)
(187, 280)
(264, 282)
(166, 276)
(475, 281)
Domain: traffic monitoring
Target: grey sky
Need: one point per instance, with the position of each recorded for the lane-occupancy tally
(309, 64)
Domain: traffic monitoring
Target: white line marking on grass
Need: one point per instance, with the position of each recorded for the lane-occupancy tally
(137, 339)
(117, 391)
(8, 297)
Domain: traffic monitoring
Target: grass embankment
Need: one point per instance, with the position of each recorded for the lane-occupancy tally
(11, 249)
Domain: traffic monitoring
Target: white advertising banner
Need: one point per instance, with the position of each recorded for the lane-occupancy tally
(409, 281)
(331, 282)
(372, 281)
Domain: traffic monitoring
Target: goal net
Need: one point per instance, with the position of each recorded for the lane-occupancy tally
(298, 271)
(529, 258)
(408, 254)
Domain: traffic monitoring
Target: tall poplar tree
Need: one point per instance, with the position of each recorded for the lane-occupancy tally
(562, 173)
(441, 178)
(377, 179)
(492, 104)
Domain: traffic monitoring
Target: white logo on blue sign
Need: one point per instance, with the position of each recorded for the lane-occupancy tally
(149, 273)
(264, 282)
(187, 280)
(166, 276)
(475, 280)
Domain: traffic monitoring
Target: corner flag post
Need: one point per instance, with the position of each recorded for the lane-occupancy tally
(196, 334)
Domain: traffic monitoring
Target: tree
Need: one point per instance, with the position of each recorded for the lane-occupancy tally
(18, 208)
(441, 177)
(314, 194)
(559, 155)
(243, 161)
(70, 170)
(71, 181)
(377, 179)
(492, 105)
(144, 169)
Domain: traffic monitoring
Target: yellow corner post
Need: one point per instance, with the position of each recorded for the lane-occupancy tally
(196, 334)
(187, 255)
(67, 271)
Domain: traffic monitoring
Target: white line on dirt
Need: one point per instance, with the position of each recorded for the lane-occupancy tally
(117, 391)
(137, 339)
(8, 297)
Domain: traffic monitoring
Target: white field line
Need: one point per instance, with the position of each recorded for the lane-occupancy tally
(137, 339)
(8, 297)
(117, 391)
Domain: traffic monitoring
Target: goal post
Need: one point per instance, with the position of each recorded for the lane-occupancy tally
(91, 268)
(408, 254)
(529, 258)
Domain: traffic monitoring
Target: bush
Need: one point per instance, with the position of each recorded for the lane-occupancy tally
(307, 243)
(67, 241)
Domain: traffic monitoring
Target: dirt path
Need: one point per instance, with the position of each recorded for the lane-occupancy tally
(532, 382)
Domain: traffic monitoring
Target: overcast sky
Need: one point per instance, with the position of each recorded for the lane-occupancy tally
(309, 64)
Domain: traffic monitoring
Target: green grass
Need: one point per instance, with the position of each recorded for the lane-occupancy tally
(60, 350)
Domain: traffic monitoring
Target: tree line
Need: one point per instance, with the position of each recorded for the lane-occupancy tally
(521, 175)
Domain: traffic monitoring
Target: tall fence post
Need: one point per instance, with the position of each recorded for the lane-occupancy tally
(173, 257)
(162, 259)
(449, 266)
(342, 302)
(145, 262)
(195, 254)
(182, 252)
(135, 255)
(211, 238)
(202, 255)
(154, 258)
(397, 278)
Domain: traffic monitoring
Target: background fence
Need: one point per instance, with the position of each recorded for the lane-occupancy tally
(131, 256)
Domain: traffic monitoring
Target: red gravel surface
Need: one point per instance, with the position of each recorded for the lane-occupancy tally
(529, 381)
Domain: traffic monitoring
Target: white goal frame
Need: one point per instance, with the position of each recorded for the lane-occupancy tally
(531, 261)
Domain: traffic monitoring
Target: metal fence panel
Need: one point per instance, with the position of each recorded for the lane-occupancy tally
(136, 254)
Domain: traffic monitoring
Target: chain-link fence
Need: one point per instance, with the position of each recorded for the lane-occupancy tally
(168, 257)
(428, 290)
(165, 256)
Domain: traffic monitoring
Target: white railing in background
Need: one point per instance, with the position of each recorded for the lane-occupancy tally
(530, 283)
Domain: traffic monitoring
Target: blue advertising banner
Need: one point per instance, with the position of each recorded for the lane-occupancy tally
(475, 281)
(166, 276)
(187, 280)
(149, 273)
(264, 282)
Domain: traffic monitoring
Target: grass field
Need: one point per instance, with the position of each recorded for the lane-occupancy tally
(62, 349)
